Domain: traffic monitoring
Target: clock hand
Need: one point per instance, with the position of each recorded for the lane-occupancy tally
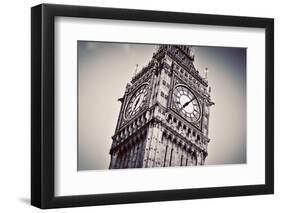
(186, 104)
(136, 103)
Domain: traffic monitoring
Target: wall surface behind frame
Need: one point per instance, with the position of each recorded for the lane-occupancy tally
(15, 106)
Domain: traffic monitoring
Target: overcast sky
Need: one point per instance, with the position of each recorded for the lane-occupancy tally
(104, 69)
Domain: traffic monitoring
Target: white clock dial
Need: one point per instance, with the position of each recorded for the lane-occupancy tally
(136, 102)
(187, 104)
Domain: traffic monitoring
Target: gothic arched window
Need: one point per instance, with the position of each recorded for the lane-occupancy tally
(193, 159)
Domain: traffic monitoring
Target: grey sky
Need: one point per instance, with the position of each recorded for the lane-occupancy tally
(103, 72)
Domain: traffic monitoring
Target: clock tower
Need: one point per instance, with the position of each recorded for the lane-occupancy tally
(164, 115)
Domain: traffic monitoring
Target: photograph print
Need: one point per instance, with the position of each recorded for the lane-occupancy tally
(160, 105)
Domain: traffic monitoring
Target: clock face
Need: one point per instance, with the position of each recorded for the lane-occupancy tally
(187, 104)
(136, 102)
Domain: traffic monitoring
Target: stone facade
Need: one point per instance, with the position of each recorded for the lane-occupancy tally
(164, 115)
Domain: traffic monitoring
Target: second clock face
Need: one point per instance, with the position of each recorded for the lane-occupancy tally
(136, 102)
(187, 104)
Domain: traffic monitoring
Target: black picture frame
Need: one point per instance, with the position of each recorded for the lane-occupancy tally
(43, 101)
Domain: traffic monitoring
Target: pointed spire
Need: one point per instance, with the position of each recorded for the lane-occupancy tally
(191, 52)
(136, 69)
(206, 72)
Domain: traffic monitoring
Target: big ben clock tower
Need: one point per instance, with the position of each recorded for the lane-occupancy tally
(164, 115)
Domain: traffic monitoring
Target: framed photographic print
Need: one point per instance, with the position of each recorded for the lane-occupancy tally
(139, 106)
